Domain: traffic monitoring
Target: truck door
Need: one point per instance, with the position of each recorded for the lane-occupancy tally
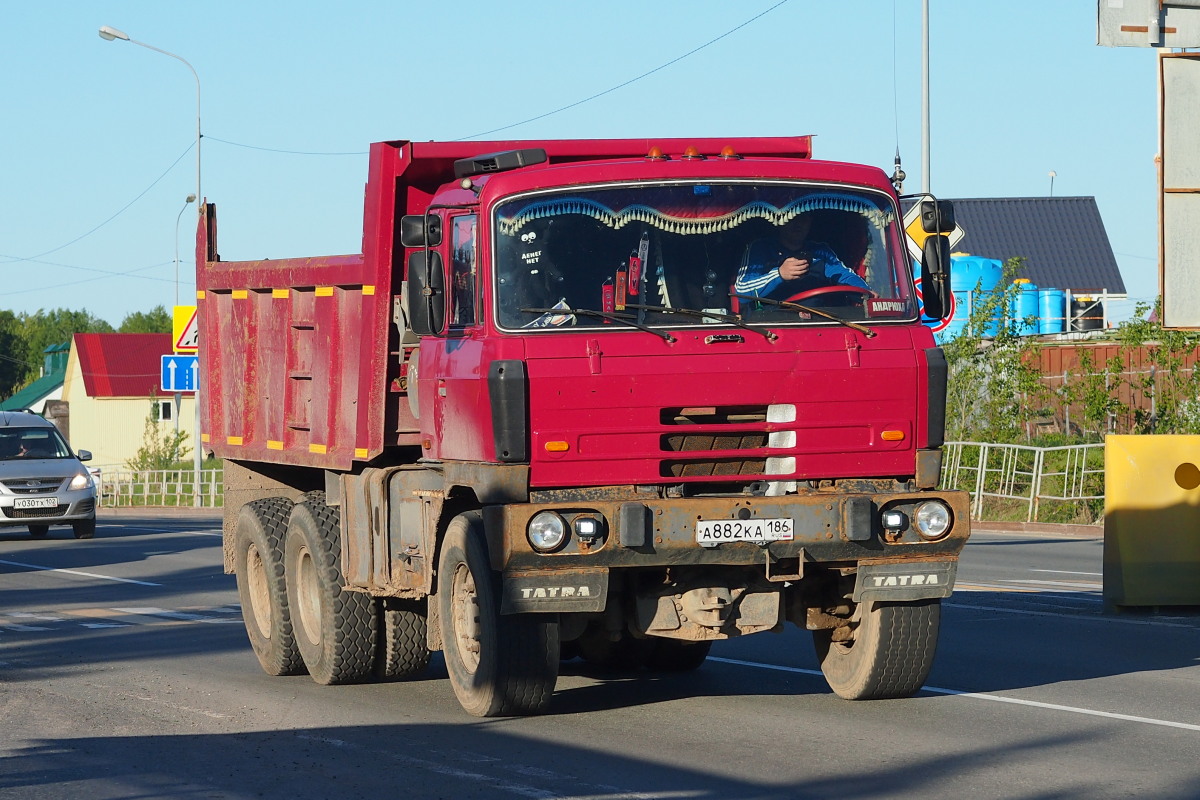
(459, 386)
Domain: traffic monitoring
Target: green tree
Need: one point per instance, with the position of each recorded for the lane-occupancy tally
(46, 328)
(156, 320)
(161, 449)
(18, 365)
(994, 389)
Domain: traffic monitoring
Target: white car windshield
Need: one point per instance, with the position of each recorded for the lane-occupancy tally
(665, 255)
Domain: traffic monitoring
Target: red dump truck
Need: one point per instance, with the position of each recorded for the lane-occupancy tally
(586, 399)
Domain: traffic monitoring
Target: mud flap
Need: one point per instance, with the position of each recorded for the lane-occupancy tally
(911, 580)
(554, 591)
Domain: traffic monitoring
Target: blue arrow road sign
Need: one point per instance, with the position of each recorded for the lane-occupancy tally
(180, 373)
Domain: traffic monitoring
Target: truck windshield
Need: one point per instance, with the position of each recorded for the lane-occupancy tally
(714, 247)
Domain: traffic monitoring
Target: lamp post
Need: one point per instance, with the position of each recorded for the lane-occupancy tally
(191, 198)
(109, 34)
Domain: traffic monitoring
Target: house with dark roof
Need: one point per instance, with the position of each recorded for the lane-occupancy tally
(111, 383)
(1062, 240)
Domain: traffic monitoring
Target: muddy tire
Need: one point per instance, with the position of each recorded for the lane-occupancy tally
(889, 654)
(499, 665)
(334, 629)
(673, 655)
(400, 649)
(39, 531)
(84, 528)
(258, 561)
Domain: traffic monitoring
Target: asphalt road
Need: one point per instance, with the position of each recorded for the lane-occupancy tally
(125, 673)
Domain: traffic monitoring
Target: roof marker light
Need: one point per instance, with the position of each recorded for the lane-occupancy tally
(691, 153)
(727, 152)
(655, 154)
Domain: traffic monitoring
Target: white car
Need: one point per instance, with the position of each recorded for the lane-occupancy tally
(42, 482)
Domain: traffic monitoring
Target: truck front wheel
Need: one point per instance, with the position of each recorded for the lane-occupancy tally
(499, 665)
(887, 654)
(258, 563)
(335, 629)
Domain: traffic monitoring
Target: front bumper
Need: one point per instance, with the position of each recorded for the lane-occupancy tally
(71, 506)
(828, 528)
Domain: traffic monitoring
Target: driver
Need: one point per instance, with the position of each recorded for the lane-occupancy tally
(784, 265)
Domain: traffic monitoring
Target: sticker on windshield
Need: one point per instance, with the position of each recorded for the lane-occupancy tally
(885, 307)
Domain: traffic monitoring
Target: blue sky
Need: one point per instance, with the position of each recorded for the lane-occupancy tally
(91, 128)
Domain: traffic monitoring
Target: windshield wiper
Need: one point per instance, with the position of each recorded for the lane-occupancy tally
(692, 312)
(587, 312)
(783, 304)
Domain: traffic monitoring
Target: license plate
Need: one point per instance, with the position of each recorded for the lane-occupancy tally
(35, 502)
(712, 532)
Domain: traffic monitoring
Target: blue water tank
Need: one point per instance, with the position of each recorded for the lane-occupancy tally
(1024, 308)
(1052, 311)
(972, 278)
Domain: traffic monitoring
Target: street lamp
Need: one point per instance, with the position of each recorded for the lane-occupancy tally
(191, 198)
(109, 34)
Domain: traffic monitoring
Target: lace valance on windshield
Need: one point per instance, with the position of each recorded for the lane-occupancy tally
(701, 218)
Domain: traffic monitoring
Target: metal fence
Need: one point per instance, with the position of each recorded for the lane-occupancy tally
(125, 488)
(1063, 483)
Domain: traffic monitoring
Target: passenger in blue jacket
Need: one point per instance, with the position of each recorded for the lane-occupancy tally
(781, 266)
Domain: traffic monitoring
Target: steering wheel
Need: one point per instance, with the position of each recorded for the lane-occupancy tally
(822, 290)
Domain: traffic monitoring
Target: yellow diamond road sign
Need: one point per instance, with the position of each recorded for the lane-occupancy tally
(185, 330)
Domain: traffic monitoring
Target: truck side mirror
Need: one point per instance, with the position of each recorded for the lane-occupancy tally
(935, 276)
(420, 230)
(937, 216)
(426, 293)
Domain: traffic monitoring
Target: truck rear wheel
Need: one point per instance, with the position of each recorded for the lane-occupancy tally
(400, 650)
(887, 654)
(262, 590)
(499, 665)
(334, 629)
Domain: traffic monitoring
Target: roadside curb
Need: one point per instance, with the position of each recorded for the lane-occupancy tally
(1091, 531)
(182, 512)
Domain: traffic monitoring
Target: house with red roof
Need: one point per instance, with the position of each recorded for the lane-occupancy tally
(111, 385)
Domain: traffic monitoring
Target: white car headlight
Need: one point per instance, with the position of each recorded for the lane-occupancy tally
(547, 531)
(81, 481)
(932, 519)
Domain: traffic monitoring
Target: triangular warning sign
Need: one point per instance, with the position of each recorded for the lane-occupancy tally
(186, 330)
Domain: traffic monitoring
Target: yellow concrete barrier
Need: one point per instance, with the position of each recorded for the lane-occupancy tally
(1151, 521)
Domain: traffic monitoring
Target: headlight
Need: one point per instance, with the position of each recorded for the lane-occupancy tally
(547, 531)
(80, 481)
(932, 519)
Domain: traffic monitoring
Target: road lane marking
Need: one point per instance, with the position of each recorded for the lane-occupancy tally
(996, 698)
(170, 530)
(78, 572)
(1080, 585)
(1066, 572)
(1075, 616)
(185, 616)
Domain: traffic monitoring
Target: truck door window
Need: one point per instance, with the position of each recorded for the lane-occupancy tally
(465, 297)
(640, 250)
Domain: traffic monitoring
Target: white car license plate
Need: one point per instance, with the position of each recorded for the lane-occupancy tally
(712, 532)
(35, 502)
